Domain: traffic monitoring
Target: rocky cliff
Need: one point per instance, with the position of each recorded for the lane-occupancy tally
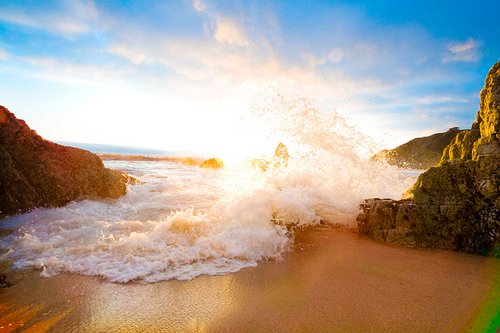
(457, 204)
(419, 153)
(35, 172)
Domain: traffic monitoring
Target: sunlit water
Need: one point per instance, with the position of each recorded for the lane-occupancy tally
(184, 221)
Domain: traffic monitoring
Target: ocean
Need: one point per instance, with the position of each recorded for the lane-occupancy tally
(124, 150)
(184, 221)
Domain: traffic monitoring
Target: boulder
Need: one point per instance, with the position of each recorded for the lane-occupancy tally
(388, 220)
(212, 163)
(35, 172)
(457, 204)
(281, 156)
(279, 159)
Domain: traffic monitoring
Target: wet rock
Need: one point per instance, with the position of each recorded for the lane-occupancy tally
(279, 159)
(457, 204)
(4, 283)
(281, 156)
(35, 172)
(388, 220)
(260, 164)
(212, 163)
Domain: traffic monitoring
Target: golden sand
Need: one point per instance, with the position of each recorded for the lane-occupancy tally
(332, 282)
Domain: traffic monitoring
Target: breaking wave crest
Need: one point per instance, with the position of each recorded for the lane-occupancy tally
(185, 221)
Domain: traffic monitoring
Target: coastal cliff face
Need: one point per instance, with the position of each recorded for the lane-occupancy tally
(457, 204)
(35, 172)
(419, 153)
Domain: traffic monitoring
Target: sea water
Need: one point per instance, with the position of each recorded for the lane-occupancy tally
(184, 221)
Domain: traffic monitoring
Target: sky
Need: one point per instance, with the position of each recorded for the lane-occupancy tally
(183, 75)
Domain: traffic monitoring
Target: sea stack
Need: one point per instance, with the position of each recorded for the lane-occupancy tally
(35, 172)
(455, 205)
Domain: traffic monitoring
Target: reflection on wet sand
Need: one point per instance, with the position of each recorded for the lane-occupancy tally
(29, 318)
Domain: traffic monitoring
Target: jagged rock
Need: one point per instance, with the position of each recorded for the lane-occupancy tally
(281, 151)
(419, 153)
(490, 105)
(281, 156)
(35, 172)
(388, 220)
(457, 204)
(279, 159)
(212, 163)
(260, 164)
(461, 146)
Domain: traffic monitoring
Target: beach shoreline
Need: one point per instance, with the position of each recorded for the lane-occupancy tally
(332, 280)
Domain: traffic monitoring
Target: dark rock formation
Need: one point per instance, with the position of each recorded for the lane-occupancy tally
(388, 220)
(419, 153)
(212, 163)
(457, 204)
(35, 172)
(4, 283)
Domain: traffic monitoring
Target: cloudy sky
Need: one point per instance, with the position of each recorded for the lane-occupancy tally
(181, 75)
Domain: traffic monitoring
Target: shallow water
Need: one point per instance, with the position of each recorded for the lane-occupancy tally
(184, 221)
(331, 282)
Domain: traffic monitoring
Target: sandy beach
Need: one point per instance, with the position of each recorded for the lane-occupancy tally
(332, 281)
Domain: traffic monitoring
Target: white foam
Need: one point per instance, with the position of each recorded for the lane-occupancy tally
(186, 221)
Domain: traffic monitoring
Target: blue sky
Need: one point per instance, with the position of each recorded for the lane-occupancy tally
(180, 75)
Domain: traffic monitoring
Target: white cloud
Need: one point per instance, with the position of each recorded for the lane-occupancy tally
(467, 51)
(199, 5)
(123, 51)
(229, 31)
(4, 55)
(312, 60)
(335, 55)
(462, 47)
(74, 18)
(59, 25)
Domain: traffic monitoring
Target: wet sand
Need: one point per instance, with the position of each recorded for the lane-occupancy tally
(332, 281)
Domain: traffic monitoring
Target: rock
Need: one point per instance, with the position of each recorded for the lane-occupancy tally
(419, 153)
(260, 164)
(281, 152)
(457, 204)
(279, 159)
(388, 220)
(35, 172)
(281, 156)
(4, 283)
(461, 146)
(212, 163)
(489, 113)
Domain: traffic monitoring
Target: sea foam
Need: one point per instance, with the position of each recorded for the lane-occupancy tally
(185, 221)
